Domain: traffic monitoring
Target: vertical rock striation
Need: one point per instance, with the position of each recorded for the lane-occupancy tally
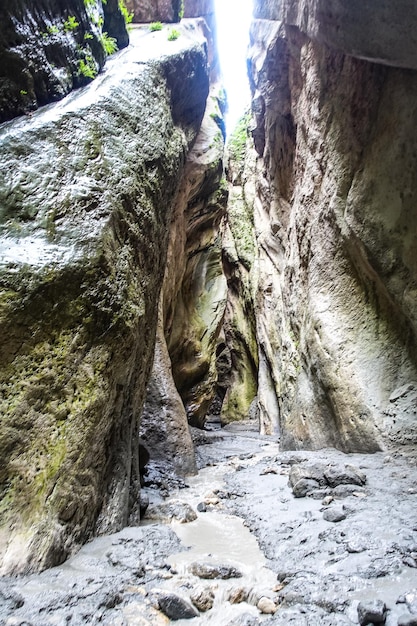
(86, 199)
(334, 104)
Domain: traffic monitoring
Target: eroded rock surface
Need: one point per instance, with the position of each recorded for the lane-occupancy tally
(46, 49)
(87, 197)
(335, 221)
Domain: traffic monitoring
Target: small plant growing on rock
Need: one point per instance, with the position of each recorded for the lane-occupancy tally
(109, 44)
(173, 34)
(128, 17)
(86, 69)
(70, 24)
(52, 30)
(154, 26)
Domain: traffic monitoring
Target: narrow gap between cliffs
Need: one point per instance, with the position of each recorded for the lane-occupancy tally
(233, 22)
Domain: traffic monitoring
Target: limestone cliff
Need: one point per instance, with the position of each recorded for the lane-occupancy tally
(334, 102)
(87, 196)
(47, 48)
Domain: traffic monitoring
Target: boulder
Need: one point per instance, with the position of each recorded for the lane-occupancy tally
(83, 248)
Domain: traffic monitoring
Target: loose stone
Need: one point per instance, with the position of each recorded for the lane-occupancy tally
(335, 514)
(266, 606)
(175, 607)
(208, 571)
(372, 612)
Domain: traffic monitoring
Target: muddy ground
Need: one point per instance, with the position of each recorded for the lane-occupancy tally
(235, 547)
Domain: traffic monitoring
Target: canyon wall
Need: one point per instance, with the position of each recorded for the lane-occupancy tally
(88, 194)
(48, 48)
(334, 103)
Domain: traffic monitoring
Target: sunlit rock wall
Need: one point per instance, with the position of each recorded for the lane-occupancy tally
(87, 195)
(48, 49)
(336, 220)
(238, 352)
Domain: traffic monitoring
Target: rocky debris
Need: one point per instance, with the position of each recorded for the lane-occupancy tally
(175, 607)
(203, 598)
(307, 479)
(372, 612)
(324, 569)
(212, 571)
(175, 510)
(304, 487)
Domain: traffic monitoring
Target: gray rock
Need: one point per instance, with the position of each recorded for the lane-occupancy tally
(344, 476)
(180, 511)
(344, 491)
(10, 599)
(311, 472)
(104, 214)
(334, 514)
(209, 571)
(372, 612)
(175, 607)
(304, 486)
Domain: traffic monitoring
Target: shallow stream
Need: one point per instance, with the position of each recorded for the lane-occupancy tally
(314, 571)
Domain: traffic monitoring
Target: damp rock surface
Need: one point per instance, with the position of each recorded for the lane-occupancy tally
(87, 193)
(304, 571)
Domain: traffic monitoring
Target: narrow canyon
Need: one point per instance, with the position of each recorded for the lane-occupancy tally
(208, 336)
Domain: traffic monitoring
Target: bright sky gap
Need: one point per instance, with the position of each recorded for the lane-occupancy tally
(233, 19)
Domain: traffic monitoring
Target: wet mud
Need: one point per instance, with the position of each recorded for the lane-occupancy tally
(259, 536)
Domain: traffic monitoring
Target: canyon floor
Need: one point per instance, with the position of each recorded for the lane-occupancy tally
(235, 542)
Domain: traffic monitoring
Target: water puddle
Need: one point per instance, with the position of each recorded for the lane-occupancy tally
(215, 539)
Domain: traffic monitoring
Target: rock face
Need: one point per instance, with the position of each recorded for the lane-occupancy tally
(87, 197)
(154, 10)
(195, 288)
(335, 219)
(46, 50)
